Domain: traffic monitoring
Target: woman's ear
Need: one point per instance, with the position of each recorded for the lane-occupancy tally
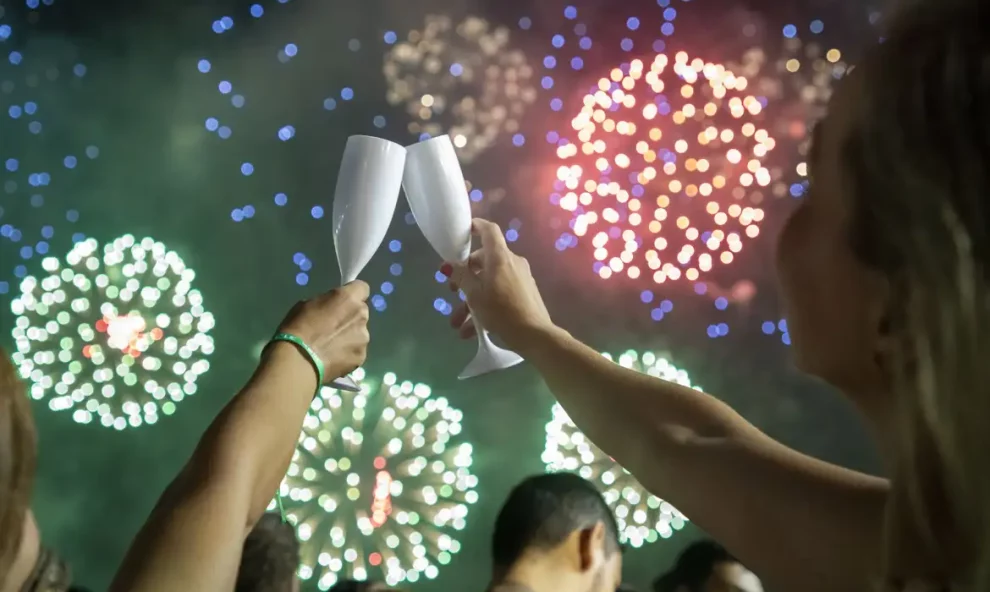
(894, 348)
(889, 326)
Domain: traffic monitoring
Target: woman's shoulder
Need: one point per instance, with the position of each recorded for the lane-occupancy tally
(922, 586)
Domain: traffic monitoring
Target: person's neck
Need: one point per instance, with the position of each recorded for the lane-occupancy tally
(27, 557)
(530, 576)
(911, 550)
(879, 411)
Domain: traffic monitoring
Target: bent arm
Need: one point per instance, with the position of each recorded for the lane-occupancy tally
(799, 523)
(193, 538)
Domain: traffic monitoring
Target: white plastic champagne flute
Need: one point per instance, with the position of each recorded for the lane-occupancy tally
(363, 206)
(438, 198)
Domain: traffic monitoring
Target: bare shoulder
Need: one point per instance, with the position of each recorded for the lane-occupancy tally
(509, 588)
(921, 586)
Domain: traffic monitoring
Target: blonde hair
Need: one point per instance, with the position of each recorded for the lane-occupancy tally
(919, 162)
(17, 461)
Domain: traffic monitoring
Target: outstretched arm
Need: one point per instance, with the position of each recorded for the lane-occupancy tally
(800, 523)
(194, 536)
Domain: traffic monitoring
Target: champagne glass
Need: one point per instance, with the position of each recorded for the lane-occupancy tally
(363, 205)
(438, 198)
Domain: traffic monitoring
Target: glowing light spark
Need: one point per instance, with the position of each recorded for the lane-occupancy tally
(127, 333)
(381, 505)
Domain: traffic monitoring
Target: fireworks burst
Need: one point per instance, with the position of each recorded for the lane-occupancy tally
(380, 483)
(642, 517)
(666, 170)
(462, 80)
(117, 336)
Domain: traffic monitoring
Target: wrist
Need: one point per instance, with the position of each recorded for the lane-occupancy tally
(286, 358)
(529, 341)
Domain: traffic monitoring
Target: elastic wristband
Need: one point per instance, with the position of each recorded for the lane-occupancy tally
(314, 359)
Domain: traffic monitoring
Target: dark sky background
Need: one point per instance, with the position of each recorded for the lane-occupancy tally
(143, 103)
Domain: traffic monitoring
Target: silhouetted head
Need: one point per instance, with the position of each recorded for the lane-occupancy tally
(561, 523)
(359, 586)
(706, 566)
(270, 558)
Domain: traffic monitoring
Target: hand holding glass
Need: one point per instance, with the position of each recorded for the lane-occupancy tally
(363, 206)
(438, 198)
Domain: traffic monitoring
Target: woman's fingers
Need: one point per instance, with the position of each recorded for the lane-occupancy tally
(463, 275)
(476, 261)
(459, 316)
(468, 330)
(461, 320)
(490, 234)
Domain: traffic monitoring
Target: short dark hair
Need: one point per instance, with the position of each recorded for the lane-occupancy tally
(543, 510)
(352, 586)
(270, 558)
(693, 567)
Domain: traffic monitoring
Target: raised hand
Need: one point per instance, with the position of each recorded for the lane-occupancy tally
(335, 326)
(500, 290)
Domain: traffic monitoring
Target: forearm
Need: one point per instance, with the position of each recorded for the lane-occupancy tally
(193, 535)
(618, 407)
(252, 440)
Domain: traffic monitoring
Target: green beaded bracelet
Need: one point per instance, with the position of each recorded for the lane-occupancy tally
(313, 357)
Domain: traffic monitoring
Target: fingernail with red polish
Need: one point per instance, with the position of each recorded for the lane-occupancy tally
(447, 269)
